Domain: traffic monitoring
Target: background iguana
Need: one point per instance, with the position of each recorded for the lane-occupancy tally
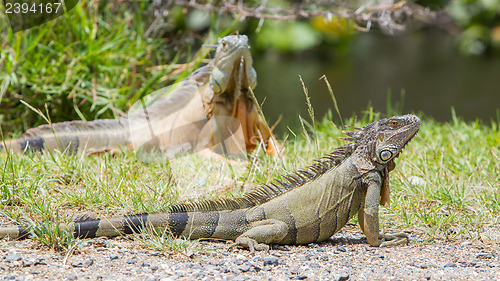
(310, 205)
(187, 117)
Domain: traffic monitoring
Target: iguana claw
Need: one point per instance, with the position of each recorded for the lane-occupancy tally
(249, 243)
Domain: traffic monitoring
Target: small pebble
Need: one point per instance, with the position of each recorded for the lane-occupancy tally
(189, 253)
(216, 263)
(27, 263)
(484, 256)
(315, 265)
(13, 258)
(40, 261)
(255, 266)
(271, 261)
(77, 264)
(450, 247)
(305, 258)
(244, 268)
(239, 261)
(472, 264)
(88, 262)
(343, 277)
(450, 264)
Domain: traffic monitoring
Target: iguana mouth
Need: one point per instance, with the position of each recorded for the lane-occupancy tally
(406, 143)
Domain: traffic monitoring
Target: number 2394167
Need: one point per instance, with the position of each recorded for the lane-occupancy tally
(25, 8)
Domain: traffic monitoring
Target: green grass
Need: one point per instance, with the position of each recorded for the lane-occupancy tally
(446, 183)
(96, 61)
(458, 164)
(93, 62)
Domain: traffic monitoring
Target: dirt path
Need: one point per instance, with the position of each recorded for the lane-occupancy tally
(346, 256)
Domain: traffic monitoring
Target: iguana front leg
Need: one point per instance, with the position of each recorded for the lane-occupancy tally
(368, 217)
(261, 234)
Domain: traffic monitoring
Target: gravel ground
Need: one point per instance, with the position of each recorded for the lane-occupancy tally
(346, 256)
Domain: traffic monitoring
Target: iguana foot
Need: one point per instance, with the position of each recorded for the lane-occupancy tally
(208, 153)
(111, 151)
(249, 243)
(393, 239)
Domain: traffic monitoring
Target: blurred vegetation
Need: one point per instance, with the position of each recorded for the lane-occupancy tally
(480, 26)
(93, 62)
(98, 59)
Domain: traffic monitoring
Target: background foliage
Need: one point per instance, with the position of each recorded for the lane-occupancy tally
(95, 61)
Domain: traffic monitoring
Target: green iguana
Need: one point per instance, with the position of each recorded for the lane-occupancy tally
(219, 89)
(310, 205)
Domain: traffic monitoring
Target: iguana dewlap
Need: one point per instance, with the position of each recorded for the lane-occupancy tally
(185, 120)
(307, 206)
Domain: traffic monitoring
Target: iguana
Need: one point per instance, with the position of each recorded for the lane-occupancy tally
(219, 89)
(308, 206)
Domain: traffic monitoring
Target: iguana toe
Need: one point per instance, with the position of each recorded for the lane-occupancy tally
(393, 239)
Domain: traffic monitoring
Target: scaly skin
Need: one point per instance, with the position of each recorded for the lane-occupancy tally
(219, 89)
(309, 206)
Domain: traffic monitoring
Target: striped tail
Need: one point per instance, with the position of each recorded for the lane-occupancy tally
(14, 232)
(225, 224)
(72, 136)
(90, 228)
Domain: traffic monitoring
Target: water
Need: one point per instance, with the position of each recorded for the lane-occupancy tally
(423, 65)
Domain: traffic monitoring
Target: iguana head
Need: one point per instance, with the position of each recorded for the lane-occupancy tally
(384, 140)
(232, 68)
(393, 135)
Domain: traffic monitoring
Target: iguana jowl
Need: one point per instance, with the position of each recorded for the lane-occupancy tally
(308, 206)
(219, 89)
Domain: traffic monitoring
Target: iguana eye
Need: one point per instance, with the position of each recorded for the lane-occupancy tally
(385, 155)
(394, 123)
(223, 43)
